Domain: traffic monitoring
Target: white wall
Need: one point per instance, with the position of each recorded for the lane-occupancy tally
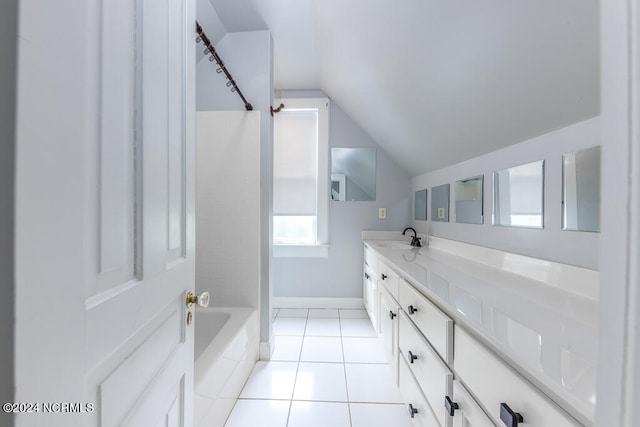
(570, 247)
(228, 207)
(340, 275)
(249, 58)
(8, 31)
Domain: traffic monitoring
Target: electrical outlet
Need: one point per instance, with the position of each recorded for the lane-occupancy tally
(440, 213)
(382, 213)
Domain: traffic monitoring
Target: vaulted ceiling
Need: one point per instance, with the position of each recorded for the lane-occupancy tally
(436, 82)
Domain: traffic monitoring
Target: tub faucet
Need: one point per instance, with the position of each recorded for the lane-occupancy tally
(415, 240)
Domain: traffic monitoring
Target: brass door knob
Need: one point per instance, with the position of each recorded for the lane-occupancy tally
(202, 299)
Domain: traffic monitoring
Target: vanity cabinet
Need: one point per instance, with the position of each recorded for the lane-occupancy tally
(446, 375)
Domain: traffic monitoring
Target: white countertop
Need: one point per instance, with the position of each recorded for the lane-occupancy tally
(544, 332)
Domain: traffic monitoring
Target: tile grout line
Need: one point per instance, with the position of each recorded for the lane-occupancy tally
(344, 369)
(295, 380)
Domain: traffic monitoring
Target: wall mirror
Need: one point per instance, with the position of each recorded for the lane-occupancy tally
(581, 190)
(469, 200)
(420, 202)
(440, 203)
(518, 195)
(353, 174)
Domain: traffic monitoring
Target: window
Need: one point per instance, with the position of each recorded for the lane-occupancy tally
(300, 178)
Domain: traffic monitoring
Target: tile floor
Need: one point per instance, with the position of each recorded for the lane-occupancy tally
(327, 369)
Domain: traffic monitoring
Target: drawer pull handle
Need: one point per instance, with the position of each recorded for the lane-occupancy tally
(412, 411)
(366, 276)
(412, 309)
(508, 417)
(450, 405)
(412, 357)
(384, 276)
(392, 314)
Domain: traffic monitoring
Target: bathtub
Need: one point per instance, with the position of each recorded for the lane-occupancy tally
(226, 349)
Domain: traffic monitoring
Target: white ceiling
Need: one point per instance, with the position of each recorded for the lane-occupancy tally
(436, 82)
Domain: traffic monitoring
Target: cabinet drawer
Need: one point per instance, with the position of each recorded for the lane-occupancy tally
(494, 383)
(388, 278)
(432, 322)
(420, 411)
(468, 413)
(432, 375)
(370, 258)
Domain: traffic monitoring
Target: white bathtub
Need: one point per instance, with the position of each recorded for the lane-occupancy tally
(226, 349)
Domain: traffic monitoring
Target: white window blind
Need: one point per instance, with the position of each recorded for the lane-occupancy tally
(300, 163)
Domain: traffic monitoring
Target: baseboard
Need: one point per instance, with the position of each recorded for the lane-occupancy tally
(266, 350)
(316, 302)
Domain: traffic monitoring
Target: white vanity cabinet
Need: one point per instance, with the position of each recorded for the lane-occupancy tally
(448, 375)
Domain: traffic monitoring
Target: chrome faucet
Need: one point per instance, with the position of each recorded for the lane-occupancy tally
(415, 240)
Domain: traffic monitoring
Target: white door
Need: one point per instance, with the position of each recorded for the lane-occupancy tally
(105, 212)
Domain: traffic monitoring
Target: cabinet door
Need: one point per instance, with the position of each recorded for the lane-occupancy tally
(389, 328)
(468, 412)
(370, 295)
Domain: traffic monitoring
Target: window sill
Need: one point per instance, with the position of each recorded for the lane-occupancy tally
(301, 251)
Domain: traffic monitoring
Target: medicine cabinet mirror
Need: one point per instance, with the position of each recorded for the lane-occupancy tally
(420, 201)
(581, 190)
(440, 203)
(518, 195)
(469, 200)
(353, 174)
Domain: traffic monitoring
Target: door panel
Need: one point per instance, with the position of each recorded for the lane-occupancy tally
(106, 218)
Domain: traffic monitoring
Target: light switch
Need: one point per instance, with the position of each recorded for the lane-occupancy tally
(382, 213)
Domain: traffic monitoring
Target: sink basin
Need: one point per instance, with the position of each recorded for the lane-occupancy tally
(393, 245)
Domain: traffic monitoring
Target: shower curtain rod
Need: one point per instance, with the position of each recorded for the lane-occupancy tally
(213, 56)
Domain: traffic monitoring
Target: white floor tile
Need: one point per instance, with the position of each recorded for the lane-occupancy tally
(286, 348)
(289, 326)
(379, 415)
(353, 314)
(363, 350)
(319, 414)
(267, 413)
(271, 380)
(323, 312)
(293, 312)
(321, 381)
(368, 383)
(323, 327)
(357, 328)
(321, 349)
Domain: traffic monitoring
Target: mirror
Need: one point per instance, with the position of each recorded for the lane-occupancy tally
(469, 200)
(420, 201)
(353, 174)
(581, 190)
(518, 196)
(440, 203)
